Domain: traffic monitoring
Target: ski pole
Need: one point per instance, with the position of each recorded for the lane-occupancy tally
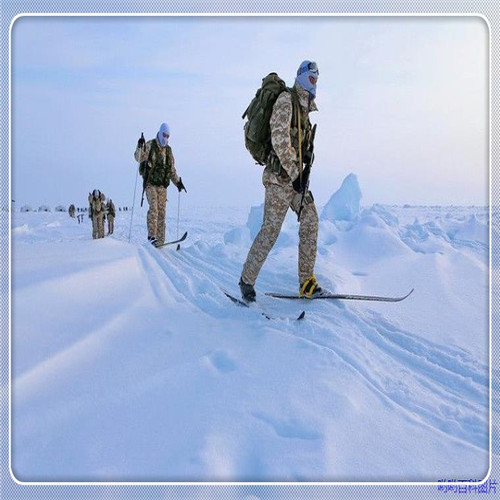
(178, 212)
(133, 205)
(178, 215)
(135, 189)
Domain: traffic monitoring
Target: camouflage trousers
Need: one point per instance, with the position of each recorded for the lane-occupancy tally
(277, 201)
(157, 199)
(98, 225)
(111, 224)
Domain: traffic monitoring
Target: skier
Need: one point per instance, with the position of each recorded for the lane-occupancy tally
(157, 167)
(285, 184)
(110, 209)
(97, 210)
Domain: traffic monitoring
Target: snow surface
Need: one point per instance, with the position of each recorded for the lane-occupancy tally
(130, 364)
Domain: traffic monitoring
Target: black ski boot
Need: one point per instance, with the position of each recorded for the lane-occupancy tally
(247, 291)
(152, 240)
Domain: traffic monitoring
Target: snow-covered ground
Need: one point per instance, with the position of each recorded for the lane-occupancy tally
(130, 364)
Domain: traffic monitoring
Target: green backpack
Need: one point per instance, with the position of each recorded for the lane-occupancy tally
(257, 129)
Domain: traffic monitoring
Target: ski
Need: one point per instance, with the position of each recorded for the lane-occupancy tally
(340, 296)
(182, 238)
(242, 303)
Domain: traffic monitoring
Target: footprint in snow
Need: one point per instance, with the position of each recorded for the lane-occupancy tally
(221, 361)
(290, 428)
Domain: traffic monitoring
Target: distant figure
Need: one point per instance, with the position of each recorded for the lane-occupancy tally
(157, 167)
(97, 209)
(71, 211)
(110, 208)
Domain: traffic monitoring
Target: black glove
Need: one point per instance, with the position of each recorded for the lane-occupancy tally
(141, 141)
(180, 185)
(307, 157)
(299, 186)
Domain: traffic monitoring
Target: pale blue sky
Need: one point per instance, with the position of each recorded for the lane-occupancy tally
(403, 104)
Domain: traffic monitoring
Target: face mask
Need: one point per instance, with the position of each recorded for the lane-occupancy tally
(307, 76)
(163, 134)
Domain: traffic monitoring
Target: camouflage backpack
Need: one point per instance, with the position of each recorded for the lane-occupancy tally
(257, 129)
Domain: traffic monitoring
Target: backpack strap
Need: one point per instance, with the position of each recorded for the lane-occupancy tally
(299, 129)
(295, 123)
(295, 105)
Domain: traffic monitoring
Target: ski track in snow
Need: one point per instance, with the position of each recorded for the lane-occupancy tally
(441, 386)
(411, 381)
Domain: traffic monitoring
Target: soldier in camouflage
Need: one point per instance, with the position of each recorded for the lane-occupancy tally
(157, 167)
(97, 209)
(110, 209)
(283, 182)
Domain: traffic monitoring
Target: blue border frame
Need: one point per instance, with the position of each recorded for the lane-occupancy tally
(9, 9)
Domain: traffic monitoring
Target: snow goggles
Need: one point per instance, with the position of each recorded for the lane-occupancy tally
(312, 66)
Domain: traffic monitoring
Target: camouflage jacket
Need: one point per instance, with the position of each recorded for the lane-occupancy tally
(110, 207)
(161, 163)
(97, 205)
(284, 136)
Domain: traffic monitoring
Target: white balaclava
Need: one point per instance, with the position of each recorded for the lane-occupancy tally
(308, 70)
(163, 134)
